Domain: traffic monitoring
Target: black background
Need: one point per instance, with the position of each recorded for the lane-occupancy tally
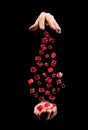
(20, 49)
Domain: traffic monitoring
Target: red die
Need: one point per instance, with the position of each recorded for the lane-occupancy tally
(39, 63)
(47, 104)
(36, 95)
(32, 90)
(41, 89)
(52, 40)
(53, 55)
(46, 34)
(53, 91)
(58, 81)
(41, 98)
(45, 40)
(47, 92)
(59, 74)
(44, 74)
(62, 85)
(39, 108)
(30, 81)
(46, 55)
(38, 57)
(37, 77)
(48, 85)
(41, 52)
(52, 97)
(46, 64)
(53, 75)
(39, 82)
(50, 70)
(53, 63)
(43, 47)
(50, 47)
(33, 69)
(48, 80)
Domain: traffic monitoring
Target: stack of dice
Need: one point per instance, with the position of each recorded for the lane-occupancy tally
(45, 82)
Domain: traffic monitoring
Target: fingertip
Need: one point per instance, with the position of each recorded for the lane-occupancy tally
(29, 28)
(58, 31)
(42, 28)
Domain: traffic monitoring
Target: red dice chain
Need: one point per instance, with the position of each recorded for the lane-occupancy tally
(45, 82)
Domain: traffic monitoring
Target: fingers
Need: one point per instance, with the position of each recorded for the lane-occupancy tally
(42, 21)
(45, 19)
(34, 26)
(52, 23)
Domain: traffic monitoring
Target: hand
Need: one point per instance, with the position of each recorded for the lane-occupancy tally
(45, 19)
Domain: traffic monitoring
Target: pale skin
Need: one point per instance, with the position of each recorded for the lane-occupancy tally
(45, 19)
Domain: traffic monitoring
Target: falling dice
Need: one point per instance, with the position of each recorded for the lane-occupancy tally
(38, 58)
(41, 98)
(37, 77)
(53, 54)
(39, 63)
(53, 91)
(50, 70)
(46, 34)
(30, 81)
(49, 85)
(46, 64)
(53, 75)
(43, 47)
(41, 52)
(33, 69)
(52, 40)
(39, 82)
(53, 63)
(45, 40)
(41, 89)
(46, 55)
(58, 81)
(50, 47)
(52, 97)
(47, 93)
(44, 74)
(59, 74)
(48, 80)
(32, 90)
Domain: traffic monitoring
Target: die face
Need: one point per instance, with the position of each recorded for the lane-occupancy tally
(53, 63)
(38, 58)
(45, 40)
(37, 77)
(30, 81)
(43, 47)
(41, 89)
(50, 70)
(39, 63)
(32, 90)
(33, 69)
(53, 55)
